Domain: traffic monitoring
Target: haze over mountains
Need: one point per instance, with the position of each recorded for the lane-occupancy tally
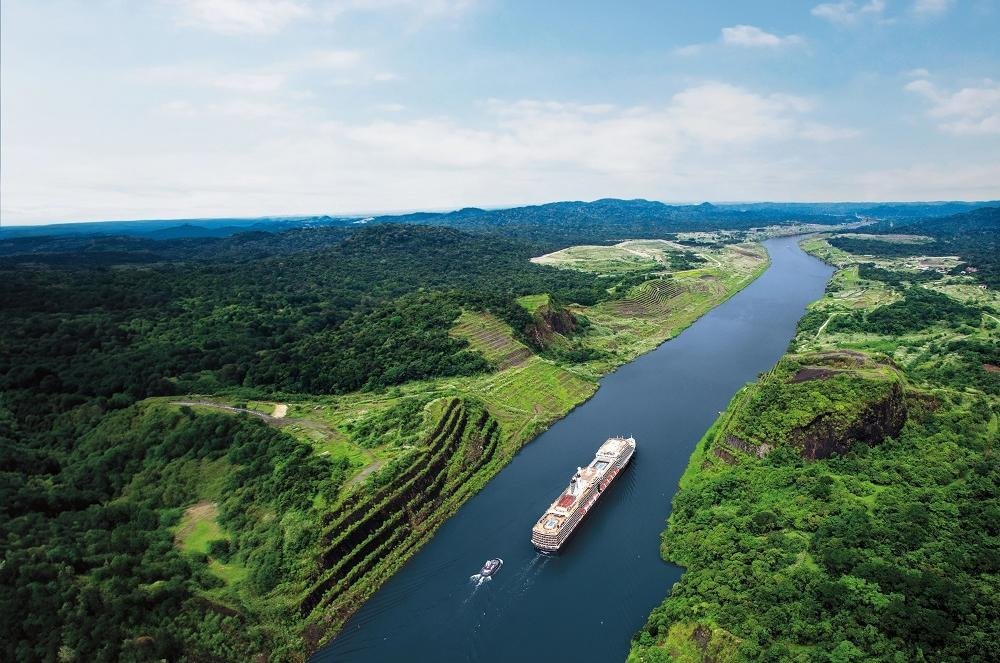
(571, 214)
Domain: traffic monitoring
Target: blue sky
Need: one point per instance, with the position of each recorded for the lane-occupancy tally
(116, 109)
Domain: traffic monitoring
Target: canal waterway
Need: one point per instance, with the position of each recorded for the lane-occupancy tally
(586, 603)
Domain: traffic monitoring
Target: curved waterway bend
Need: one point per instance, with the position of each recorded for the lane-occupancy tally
(586, 603)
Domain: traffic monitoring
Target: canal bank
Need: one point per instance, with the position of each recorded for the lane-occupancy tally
(585, 604)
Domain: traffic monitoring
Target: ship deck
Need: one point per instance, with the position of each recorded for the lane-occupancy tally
(581, 486)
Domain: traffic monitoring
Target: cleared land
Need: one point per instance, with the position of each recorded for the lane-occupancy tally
(898, 238)
(666, 303)
(196, 531)
(630, 256)
(848, 292)
(492, 337)
(198, 527)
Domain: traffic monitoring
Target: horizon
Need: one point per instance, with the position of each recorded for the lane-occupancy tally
(281, 105)
(487, 208)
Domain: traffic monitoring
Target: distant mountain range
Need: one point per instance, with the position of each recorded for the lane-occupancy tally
(569, 219)
(176, 228)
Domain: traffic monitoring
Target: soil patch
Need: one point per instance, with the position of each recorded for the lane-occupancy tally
(192, 516)
(515, 358)
(727, 457)
(807, 373)
(374, 466)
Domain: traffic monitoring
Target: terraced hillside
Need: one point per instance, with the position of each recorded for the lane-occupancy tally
(650, 299)
(492, 337)
(369, 534)
(417, 451)
(818, 403)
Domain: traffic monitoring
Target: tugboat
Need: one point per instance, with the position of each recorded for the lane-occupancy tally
(490, 567)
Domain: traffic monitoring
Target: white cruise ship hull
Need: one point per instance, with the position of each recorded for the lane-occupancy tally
(550, 539)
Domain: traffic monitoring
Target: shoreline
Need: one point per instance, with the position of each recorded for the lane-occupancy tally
(463, 494)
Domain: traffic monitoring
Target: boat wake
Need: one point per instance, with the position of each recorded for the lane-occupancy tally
(490, 568)
(526, 576)
(478, 579)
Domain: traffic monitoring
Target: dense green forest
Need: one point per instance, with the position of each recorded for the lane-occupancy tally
(918, 309)
(577, 222)
(606, 219)
(91, 483)
(846, 505)
(139, 527)
(372, 309)
(548, 226)
(91, 573)
(98, 478)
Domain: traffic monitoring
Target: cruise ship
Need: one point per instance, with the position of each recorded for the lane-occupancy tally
(585, 488)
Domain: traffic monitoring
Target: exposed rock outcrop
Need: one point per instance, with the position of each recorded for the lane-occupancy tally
(877, 421)
(759, 450)
(547, 321)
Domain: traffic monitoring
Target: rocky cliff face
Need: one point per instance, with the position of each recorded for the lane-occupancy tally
(548, 321)
(880, 419)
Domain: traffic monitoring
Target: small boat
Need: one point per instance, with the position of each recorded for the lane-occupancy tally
(490, 567)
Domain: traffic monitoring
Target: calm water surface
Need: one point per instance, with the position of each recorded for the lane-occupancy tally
(586, 603)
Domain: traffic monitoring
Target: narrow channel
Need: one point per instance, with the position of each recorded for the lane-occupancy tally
(586, 603)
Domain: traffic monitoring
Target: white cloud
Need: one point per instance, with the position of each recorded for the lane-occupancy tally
(847, 12)
(689, 50)
(824, 133)
(931, 8)
(232, 108)
(192, 75)
(423, 8)
(260, 156)
(325, 59)
(917, 73)
(244, 17)
(240, 16)
(749, 35)
(718, 113)
(743, 36)
(263, 80)
(970, 111)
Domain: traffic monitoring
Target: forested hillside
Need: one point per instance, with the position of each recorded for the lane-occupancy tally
(975, 236)
(158, 502)
(88, 477)
(183, 326)
(567, 222)
(844, 507)
(576, 222)
(207, 443)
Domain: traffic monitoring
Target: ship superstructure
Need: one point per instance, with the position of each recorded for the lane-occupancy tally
(585, 488)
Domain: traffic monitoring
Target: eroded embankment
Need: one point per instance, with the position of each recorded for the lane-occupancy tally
(370, 533)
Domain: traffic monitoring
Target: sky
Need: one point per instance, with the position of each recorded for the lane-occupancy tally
(124, 109)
